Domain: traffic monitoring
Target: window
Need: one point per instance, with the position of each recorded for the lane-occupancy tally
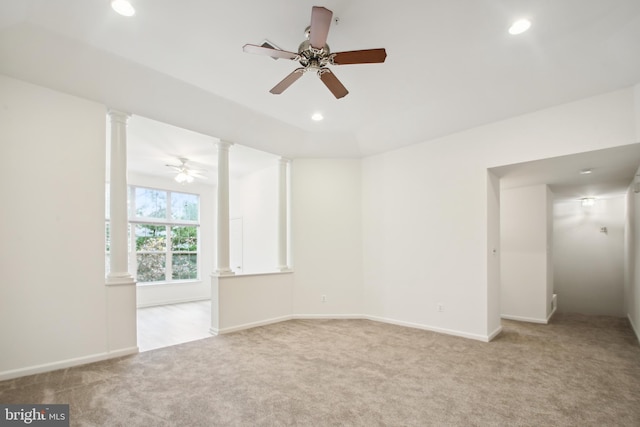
(107, 230)
(165, 235)
(107, 247)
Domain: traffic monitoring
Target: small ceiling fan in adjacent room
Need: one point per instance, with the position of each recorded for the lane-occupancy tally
(186, 174)
(314, 55)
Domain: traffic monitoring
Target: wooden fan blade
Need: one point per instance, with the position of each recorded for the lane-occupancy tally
(274, 53)
(320, 23)
(367, 56)
(287, 81)
(331, 81)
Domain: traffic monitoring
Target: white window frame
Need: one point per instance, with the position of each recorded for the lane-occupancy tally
(168, 222)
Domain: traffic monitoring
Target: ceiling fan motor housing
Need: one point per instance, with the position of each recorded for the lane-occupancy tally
(312, 57)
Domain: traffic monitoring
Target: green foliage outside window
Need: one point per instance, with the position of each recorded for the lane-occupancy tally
(184, 267)
(151, 246)
(184, 239)
(162, 248)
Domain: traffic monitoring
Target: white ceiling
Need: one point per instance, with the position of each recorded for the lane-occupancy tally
(451, 64)
(152, 145)
(612, 170)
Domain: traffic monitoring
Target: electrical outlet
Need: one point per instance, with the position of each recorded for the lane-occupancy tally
(440, 307)
(324, 298)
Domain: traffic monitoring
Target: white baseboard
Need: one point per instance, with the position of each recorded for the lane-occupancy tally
(494, 333)
(250, 325)
(54, 366)
(633, 326)
(477, 337)
(555, 308)
(483, 338)
(6, 375)
(215, 331)
(122, 352)
(328, 316)
(527, 319)
(173, 301)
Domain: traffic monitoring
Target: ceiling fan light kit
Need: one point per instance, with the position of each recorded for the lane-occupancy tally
(186, 174)
(183, 177)
(314, 55)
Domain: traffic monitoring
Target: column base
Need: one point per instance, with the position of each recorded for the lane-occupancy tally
(225, 272)
(115, 279)
(121, 316)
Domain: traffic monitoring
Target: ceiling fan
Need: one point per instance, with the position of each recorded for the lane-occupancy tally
(186, 174)
(314, 55)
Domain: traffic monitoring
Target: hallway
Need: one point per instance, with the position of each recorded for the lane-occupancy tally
(166, 325)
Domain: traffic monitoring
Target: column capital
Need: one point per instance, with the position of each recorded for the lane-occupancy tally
(223, 145)
(119, 116)
(223, 272)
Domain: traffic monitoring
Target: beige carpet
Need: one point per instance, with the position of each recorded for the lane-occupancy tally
(576, 371)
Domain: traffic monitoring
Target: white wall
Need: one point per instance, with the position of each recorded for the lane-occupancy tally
(414, 224)
(52, 292)
(327, 236)
(636, 93)
(170, 293)
(253, 198)
(632, 239)
(259, 212)
(589, 264)
(632, 259)
(425, 210)
(244, 301)
(493, 253)
(525, 222)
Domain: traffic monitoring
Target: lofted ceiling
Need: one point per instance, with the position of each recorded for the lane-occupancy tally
(152, 145)
(451, 65)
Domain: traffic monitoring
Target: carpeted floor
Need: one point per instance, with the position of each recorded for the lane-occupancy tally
(576, 371)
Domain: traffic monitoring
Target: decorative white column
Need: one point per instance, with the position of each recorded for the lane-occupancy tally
(119, 264)
(122, 336)
(283, 224)
(222, 209)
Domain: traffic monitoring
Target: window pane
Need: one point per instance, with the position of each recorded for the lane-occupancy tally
(184, 206)
(107, 200)
(185, 266)
(184, 239)
(151, 203)
(151, 267)
(107, 237)
(151, 238)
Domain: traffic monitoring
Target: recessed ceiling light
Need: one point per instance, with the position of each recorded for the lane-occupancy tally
(586, 171)
(317, 117)
(123, 7)
(519, 26)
